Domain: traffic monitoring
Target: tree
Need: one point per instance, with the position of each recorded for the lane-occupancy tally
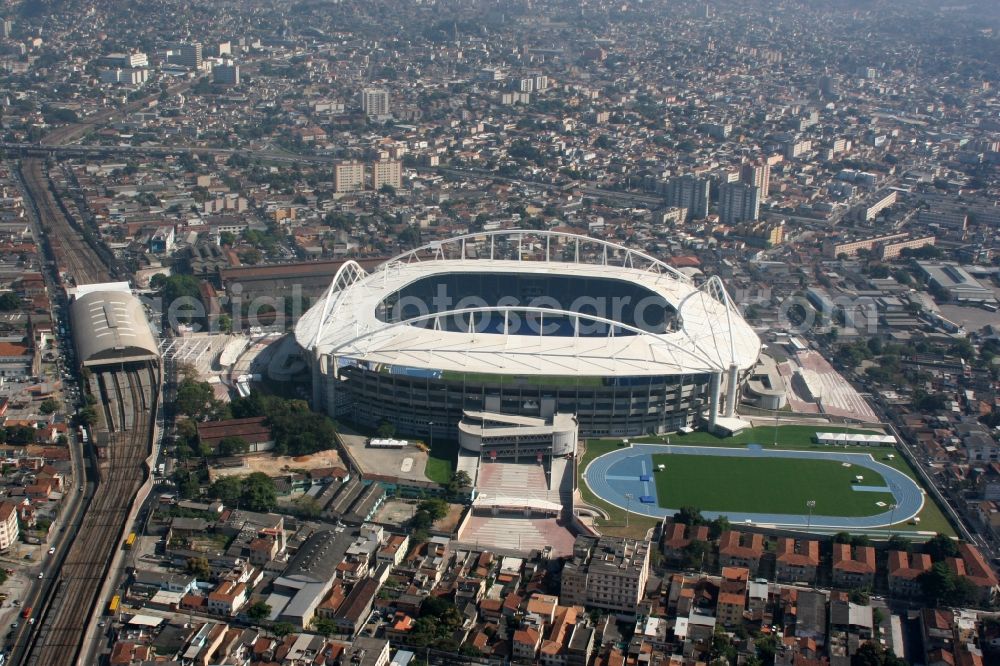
(234, 445)
(433, 606)
(281, 629)
(259, 612)
(940, 547)
(386, 430)
(436, 507)
(193, 397)
(842, 537)
(259, 493)
(308, 507)
(324, 627)
(199, 567)
(49, 406)
(767, 648)
(872, 653)
(694, 554)
(458, 481)
(226, 489)
(897, 542)
(421, 521)
(187, 483)
(860, 540)
(689, 515)
(942, 585)
(86, 416)
(9, 301)
(718, 526)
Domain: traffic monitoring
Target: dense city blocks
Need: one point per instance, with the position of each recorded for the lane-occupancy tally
(559, 332)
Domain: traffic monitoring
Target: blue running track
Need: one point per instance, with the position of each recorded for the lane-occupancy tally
(618, 474)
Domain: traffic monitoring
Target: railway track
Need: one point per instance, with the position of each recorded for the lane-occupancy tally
(129, 396)
(70, 250)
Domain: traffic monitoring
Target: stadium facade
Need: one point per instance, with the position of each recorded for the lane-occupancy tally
(526, 323)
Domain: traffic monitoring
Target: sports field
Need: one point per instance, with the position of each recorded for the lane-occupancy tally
(768, 485)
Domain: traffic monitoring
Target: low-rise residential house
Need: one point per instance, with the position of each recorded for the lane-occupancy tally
(353, 613)
(797, 560)
(227, 598)
(853, 566)
(678, 536)
(905, 570)
(971, 565)
(741, 549)
(526, 644)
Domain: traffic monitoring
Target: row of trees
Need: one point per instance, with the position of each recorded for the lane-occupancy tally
(254, 492)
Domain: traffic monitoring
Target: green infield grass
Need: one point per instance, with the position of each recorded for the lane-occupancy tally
(766, 485)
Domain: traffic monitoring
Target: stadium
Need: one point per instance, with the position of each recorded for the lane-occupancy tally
(531, 324)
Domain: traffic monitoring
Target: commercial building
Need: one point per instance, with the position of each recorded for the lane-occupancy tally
(348, 177)
(387, 172)
(131, 77)
(738, 202)
(606, 572)
(956, 282)
(125, 60)
(493, 436)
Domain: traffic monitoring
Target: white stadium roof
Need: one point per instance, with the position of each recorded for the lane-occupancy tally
(712, 335)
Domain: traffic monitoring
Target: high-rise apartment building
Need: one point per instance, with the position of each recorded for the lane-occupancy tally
(6, 27)
(606, 572)
(689, 192)
(226, 74)
(348, 177)
(387, 172)
(190, 55)
(8, 525)
(759, 174)
(738, 202)
(375, 101)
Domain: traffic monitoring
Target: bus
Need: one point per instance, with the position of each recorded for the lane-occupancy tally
(130, 541)
(26, 613)
(113, 606)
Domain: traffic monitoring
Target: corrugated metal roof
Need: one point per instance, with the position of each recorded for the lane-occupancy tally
(111, 326)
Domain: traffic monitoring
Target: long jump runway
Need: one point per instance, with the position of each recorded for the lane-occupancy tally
(624, 478)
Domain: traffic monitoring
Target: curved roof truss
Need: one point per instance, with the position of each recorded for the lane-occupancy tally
(356, 346)
(611, 253)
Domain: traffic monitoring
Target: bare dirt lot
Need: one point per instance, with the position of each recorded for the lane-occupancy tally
(275, 465)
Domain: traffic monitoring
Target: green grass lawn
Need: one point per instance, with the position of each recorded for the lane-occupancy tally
(766, 485)
(441, 461)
